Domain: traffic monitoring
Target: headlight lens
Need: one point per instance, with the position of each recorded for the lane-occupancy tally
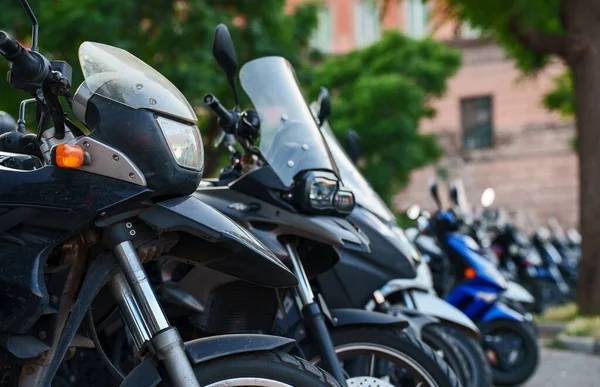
(321, 193)
(184, 142)
(343, 201)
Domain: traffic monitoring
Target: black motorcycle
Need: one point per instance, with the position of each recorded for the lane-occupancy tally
(286, 191)
(99, 206)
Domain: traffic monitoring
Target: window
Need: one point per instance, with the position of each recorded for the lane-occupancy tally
(322, 37)
(477, 126)
(417, 18)
(367, 27)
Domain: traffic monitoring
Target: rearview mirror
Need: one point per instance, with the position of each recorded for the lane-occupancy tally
(453, 193)
(224, 53)
(413, 212)
(352, 145)
(433, 190)
(324, 104)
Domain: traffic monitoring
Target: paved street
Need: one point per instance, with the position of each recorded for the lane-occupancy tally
(564, 368)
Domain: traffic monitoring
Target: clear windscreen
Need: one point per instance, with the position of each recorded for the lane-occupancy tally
(290, 139)
(364, 194)
(121, 77)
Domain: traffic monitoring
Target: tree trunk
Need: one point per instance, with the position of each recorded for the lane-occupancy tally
(583, 24)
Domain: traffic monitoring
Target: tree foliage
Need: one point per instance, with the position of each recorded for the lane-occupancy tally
(382, 92)
(173, 36)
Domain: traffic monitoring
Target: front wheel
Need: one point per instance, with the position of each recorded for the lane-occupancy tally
(381, 356)
(265, 369)
(512, 350)
(438, 339)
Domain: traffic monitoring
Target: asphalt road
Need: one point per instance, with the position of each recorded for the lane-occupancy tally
(564, 368)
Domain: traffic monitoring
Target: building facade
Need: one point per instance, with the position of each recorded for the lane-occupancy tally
(491, 122)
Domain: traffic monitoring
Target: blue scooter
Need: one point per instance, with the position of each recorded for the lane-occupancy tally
(509, 339)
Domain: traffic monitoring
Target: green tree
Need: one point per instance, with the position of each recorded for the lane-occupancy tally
(531, 31)
(382, 92)
(173, 36)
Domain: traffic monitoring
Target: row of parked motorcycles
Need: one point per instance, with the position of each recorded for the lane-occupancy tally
(120, 265)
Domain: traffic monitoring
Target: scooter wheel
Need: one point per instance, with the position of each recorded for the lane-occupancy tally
(512, 350)
(443, 344)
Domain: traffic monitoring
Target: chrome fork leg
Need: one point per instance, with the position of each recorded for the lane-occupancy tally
(165, 339)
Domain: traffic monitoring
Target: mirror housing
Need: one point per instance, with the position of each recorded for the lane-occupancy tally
(224, 53)
(433, 190)
(352, 145)
(453, 193)
(324, 104)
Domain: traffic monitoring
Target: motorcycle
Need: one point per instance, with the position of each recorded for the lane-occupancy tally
(392, 277)
(477, 287)
(97, 208)
(287, 193)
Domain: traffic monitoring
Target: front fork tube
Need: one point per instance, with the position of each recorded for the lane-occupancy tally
(143, 314)
(315, 320)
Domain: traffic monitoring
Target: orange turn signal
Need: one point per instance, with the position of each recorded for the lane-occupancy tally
(470, 273)
(69, 156)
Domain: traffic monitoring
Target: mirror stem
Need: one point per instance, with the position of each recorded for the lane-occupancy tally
(235, 94)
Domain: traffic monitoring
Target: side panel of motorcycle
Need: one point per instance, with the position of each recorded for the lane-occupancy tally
(230, 248)
(500, 311)
(270, 223)
(38, 210)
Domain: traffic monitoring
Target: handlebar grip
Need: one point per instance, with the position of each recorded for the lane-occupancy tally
(29, 65)
(227, 117)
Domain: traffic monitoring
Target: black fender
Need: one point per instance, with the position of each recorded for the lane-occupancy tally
(416, 320)
(212, 239)
(209, 348)
(358, 317)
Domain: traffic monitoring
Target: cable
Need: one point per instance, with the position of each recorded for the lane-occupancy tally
(118, 375)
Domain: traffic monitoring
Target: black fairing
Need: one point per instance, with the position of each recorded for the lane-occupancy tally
(271, 223)
(137, 134)
(230, 249)
(38, 210)
(352, 281)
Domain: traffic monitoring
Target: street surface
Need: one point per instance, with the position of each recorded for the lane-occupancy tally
(565, 368)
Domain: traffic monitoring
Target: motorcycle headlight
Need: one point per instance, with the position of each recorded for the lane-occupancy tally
(184, 142)
(320, 192)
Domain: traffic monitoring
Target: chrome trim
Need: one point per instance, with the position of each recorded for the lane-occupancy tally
(304, 289)
(130, 311)
(109, 162)
(140, 285)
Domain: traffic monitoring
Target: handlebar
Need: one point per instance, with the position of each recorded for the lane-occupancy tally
(29, 69)
(227, 117)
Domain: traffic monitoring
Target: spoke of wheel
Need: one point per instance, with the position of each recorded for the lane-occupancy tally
(371, 365)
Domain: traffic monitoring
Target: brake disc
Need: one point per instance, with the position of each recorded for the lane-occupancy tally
(367, 381)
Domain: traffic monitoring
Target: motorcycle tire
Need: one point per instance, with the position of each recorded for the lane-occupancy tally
(265, 368)
(525, 367)
(479, 369)
(438, 339)
(409, 354)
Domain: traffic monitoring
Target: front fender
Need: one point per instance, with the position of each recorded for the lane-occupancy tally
(518, 293)
(500, 311)
(214, 240)
(354, 317)
(432, 305)
(208, 348)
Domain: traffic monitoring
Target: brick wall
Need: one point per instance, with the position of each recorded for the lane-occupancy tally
(531, 166)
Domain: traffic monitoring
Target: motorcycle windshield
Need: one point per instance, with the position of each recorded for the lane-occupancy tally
(290, 138)
(364, 194)
(117, 75)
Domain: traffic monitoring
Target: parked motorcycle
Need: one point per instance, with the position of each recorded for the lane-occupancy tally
(287, 193)
(393, 278)
(99, 206)
(508, 338)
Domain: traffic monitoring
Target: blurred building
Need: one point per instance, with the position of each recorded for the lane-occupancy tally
(491, 122)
